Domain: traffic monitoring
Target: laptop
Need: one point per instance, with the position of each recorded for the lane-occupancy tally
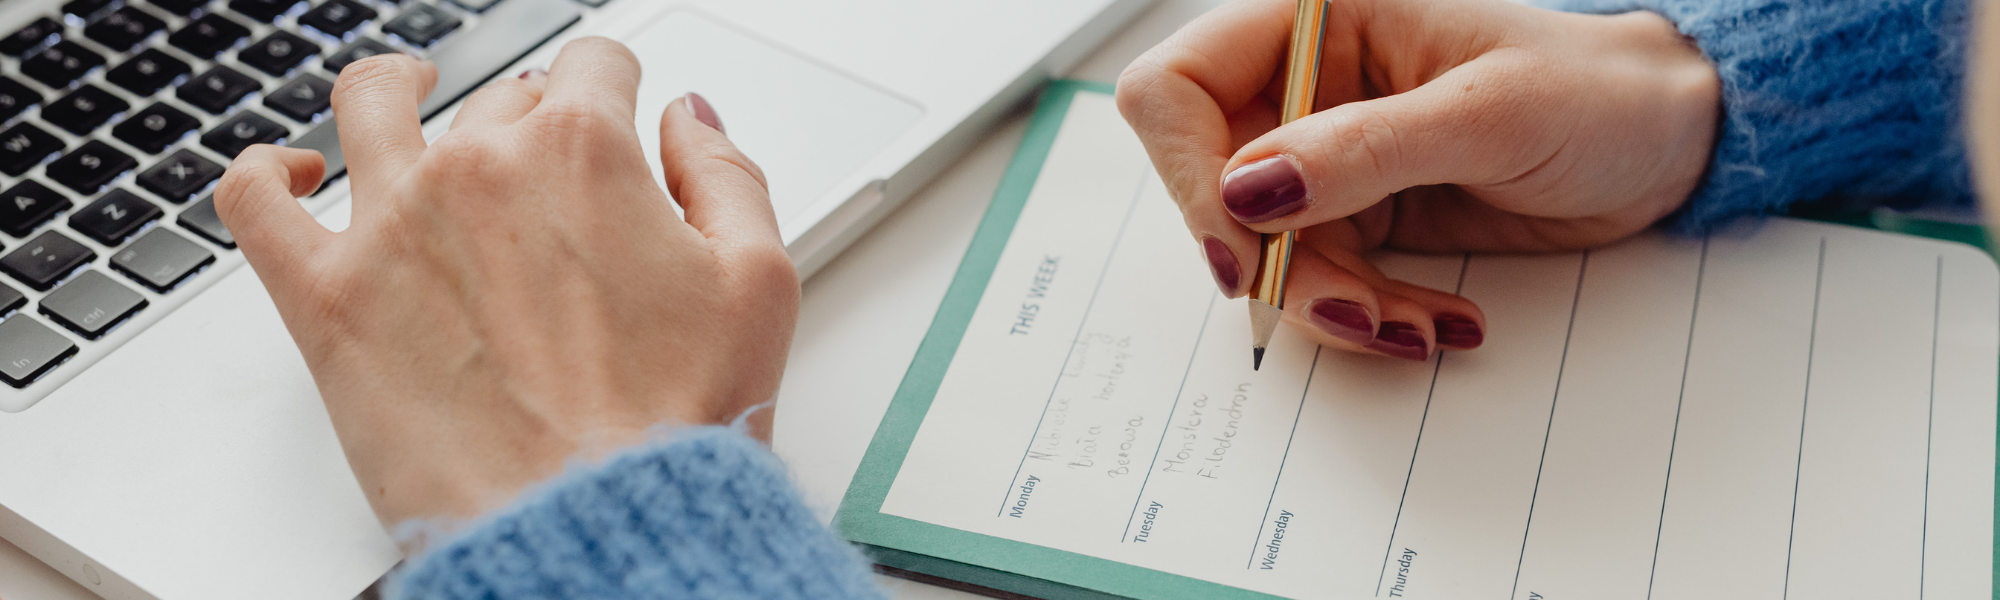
(160, 436)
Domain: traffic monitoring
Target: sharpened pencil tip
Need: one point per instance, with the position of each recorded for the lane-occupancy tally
(1256, 359)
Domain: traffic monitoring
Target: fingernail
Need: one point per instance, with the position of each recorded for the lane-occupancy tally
(533, 73)
(1345, 319)
(1222, 264)
(1401, 340)
(703, 112)
(1458, 332)
(1264, 190)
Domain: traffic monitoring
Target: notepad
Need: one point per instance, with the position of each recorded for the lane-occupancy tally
(1784, 409)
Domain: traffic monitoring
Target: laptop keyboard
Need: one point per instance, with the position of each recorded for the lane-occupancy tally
(131, 109)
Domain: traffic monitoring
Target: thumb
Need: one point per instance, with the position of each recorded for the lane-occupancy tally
(257, 201)
(1472, 125)
(723, 193)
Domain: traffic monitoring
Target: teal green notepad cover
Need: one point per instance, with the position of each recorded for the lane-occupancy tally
(1017, 567)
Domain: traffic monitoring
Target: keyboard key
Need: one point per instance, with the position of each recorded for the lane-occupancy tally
(91, 304)
(16, 97)
(48, 258)
(262, 10)
(217, 90)
(180, 176)
(421, 24)
(302, 98)
(208, 36)
(83, 110)
(23, 146)
(85, 8)
(89, 167)
(200, 218)
(147, 72)
(29, 349)
(277, 54)
(114, 217)
(504, 35)
(242, 131)
(476, 5)
(123, 28)
(179, 7)
(153, 129)
(42, 31)
(360, 49)
(61, 64)
(161, 259)
(337, 17)
(27, 205)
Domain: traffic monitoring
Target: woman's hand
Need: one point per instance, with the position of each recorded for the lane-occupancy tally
(1442, 125)
(521, 291)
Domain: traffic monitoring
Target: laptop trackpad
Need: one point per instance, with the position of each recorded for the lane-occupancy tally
(808, 126)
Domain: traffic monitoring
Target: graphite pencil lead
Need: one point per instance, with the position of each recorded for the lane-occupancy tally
(1256, 359)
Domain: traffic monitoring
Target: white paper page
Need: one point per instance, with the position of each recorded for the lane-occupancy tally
(1783, 410)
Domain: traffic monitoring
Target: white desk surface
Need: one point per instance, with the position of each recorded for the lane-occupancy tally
(862, 317)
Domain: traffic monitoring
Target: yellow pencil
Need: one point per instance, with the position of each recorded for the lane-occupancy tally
(1267, 289)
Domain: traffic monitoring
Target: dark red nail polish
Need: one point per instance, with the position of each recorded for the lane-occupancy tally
(1222, 264)
(1401, 340)
(703, 112)
(530, 73)
(1345, 319)
(1458, 332)
(1264, 190)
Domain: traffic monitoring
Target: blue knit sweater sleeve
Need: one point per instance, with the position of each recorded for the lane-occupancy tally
(710, 514)
(1850, 103)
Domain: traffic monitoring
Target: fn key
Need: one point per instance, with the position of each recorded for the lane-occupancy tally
(29, 349)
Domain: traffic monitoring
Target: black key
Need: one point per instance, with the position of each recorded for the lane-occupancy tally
(262, 10)
(123, 28)
(179, 176)
(48, 258)
(40, 32)
(147, 72)
(208, 36)
(200, 218)
(503, 36)
(27, 205)
(180, 7)
(15, 97)
(83, 110)
(89, 167)
(114, 217)
(161, 259)
(242, 131)
(61, 64)
(91, 304)
(476, 5)
(85, 8)
(11, 300)
(153, 129)
(28, 350)
(23, 146)
(421, 25)
(360, 49)
(337, 17)
(302, 98)
(217, 90)
(278, 53)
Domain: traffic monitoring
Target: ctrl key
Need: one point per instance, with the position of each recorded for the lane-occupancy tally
(29, 349)
(91, 304)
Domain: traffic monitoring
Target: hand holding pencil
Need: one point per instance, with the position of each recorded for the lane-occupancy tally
(1436, 126)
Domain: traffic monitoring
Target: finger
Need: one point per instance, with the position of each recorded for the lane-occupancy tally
(1337, 308)
(1456, 321)
(594, 73)
(1406, 331)
(502, 102)
(1474, 125)
(721, 190)
(375, 101)
(257, 201)
(1179, 98)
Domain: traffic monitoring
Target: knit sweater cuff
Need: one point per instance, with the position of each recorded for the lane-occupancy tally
(710, 514)
(1850, 103)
